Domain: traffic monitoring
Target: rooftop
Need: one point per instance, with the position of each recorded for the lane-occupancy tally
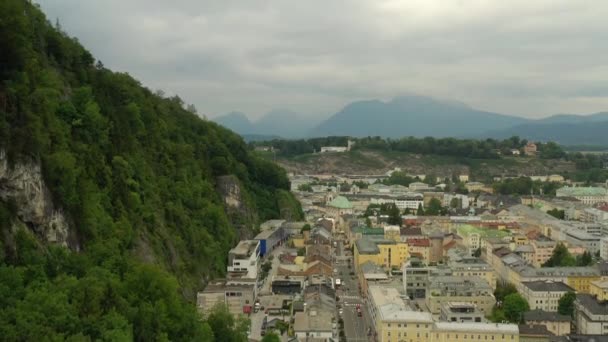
(584, 271)
(380, 295)
(582, 191)
(245, 247)
(367, 245)
(340, 202)
(478, 327)
(534, 330)
(590, 303)
(419, 242)
(395, 312)
(411, 231)
(545, 316)
(466, 230)
(552, 286)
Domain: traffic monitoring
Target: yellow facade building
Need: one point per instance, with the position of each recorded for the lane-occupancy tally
(456, 332)
(386, 253)
(599, 288)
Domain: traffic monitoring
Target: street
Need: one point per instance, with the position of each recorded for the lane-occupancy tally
(356, 328)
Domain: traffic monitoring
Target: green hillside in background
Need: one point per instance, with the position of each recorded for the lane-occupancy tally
(137, 176)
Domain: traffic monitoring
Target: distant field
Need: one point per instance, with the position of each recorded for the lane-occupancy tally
(379, 162)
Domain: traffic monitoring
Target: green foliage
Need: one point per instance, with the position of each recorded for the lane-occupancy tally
(468, 148)
(305, 187)
(503, 290)
(137, 175)
(550, 150)
(420, 211)
(559, 214)
(225, 327)
(301, 251)
(525, 186)
(560, 257)
(566, 304)
(394, 215)
(585, 259)
(305, 228)
(271, 337)
(435, 208)
(399, 178)
(514, 307)
(477, 252)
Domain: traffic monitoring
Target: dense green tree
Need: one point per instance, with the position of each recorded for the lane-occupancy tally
(394, 215)
(514, 306)
(477, 252)
(141, 180)
(420, 211)
(503, 290)
(559, 214)
(560, 257)
(434, 207)
(566, 304)
(584, 259)
(271, 337)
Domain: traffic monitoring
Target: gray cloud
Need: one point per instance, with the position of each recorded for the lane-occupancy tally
(529, 58)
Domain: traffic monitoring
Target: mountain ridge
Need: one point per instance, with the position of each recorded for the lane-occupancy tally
(420, 116)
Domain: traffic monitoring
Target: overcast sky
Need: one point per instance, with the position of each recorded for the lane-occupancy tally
(524, 57)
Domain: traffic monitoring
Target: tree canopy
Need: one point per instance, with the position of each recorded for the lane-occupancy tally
(566, 304)
(514, 306)
(139, 178)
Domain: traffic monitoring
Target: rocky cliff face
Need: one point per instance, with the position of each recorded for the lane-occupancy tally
(22, 184)
(236, 204)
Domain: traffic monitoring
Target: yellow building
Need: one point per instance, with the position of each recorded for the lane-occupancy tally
(298, 242)
(394, 320)
(599, 288)
(386, 253)
(582, 282)
(456, 332)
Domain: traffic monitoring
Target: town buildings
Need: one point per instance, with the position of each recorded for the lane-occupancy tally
(587, 195)
(544, 295)
(473, 290)
(245, 258)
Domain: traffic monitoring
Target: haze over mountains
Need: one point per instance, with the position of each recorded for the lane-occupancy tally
(421, 116)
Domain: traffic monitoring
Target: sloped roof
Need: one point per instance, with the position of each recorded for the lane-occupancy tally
(582, 191)
(540, 315)
(340, 202)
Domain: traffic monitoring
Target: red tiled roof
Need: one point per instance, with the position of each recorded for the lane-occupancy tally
(419, 242)
(449, 245)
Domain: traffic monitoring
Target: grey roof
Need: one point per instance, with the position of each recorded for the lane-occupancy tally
(547, 286)
(534, 330)
(545, 316)
(592, 304)
(524, 249)
(411, 231)
(366, 246)
(369, 268)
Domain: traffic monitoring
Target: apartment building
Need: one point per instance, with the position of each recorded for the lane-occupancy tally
(394, 320)
(591, 315)
(467, 332)
(386, 253)
(544, 295)
(474, 290)
(244, 258)
(460, 312)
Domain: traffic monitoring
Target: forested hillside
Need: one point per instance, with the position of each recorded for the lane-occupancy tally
(137, 178)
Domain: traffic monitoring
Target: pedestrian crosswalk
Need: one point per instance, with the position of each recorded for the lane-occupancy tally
(345, 297)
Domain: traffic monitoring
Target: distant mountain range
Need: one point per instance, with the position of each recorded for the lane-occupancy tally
(422, 116)
(277, 123)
